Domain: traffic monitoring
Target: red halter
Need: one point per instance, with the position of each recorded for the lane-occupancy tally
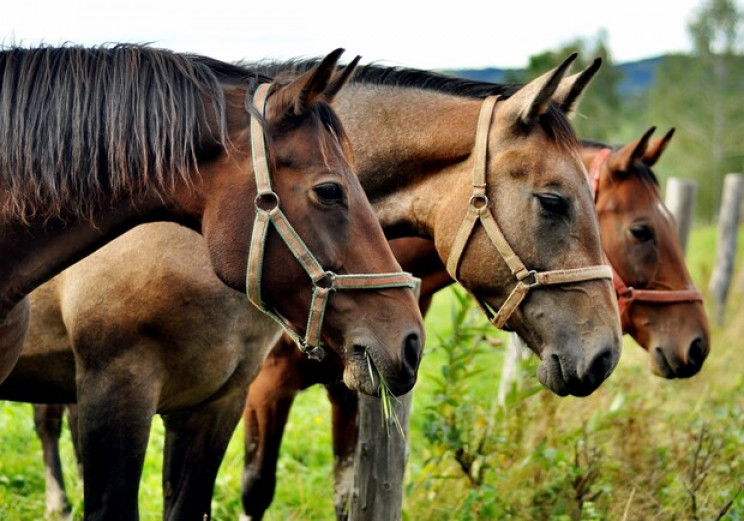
(627, 295)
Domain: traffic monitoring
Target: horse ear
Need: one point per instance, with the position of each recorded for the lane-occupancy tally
(340, 79)
(623, 159)
(656, 148)
(571, 88)
(297, 97)
(527, 104)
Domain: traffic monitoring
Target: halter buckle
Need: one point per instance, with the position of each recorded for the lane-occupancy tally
(267, 201)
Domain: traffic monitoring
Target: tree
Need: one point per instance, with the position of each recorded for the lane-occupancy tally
(601, 104)
(701, 96)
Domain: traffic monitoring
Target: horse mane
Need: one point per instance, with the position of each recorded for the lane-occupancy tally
(554, 121)
(85, 126)
(644, 171)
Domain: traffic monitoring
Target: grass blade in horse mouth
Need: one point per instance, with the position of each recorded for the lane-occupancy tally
(387, 409)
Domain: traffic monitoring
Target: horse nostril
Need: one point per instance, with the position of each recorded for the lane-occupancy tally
(601, 366)
(696, 353)
(412, 351)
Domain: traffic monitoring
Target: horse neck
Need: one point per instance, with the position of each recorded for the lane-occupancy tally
(405, 140)
(40, 251)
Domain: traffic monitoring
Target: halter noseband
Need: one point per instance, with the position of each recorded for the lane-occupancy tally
(324, 282)
(478, 210)
(627, 295)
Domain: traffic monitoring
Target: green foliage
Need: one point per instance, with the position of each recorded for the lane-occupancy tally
(701, 95)
(601, 103)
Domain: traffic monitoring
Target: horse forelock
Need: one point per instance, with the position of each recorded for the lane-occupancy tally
(86, 126)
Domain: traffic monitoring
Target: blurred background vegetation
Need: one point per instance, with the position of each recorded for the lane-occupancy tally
(700, 94)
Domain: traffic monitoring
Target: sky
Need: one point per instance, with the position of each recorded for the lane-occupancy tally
(425, 34)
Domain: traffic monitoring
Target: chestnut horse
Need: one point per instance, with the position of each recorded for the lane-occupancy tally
(410, 140)
(99, 140)
(309, 206)
(639, 237)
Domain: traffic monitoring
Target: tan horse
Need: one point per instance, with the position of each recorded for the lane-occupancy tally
(409, 143)
(117, 310)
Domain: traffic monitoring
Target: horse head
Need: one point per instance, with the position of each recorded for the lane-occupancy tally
(545, 244)
(318, 231)
(659, 305)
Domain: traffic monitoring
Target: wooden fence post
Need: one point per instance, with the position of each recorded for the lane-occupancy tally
(381, 457)
(380, 462)
(680, 199)
(515, 352)
(728, 221)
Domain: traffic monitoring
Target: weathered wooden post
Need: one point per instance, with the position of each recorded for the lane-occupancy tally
(515, 351)
(680, 199)
(380, 462)
(728, 221)
(380, 459)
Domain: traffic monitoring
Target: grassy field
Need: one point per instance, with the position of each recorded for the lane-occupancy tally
(640, 448)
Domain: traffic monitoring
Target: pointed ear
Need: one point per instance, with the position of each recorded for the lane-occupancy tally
(297, 97)
(340, 79)
(623, 159)
(571, 88)
(526, 105)
(656, 148)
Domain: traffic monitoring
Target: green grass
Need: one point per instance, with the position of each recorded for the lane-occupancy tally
(639, 432)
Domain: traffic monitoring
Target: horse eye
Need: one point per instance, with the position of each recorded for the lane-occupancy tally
(642, 232)
(329, 193)
(553, 204)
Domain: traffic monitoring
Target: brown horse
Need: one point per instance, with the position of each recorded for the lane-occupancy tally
(410, 139)
(99, 140)
(322, 219)
(640, 240)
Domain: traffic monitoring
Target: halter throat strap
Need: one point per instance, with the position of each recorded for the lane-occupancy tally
(325, 282)
(479, 211)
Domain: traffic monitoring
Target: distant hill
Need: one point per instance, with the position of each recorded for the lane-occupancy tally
(638, 76)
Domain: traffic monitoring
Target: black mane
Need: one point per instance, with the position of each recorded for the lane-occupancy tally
(554, 121)
(84, 126)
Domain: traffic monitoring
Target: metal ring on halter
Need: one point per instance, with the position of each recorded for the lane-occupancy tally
(266, 197)
(530, 279)
(327, 281)
(473, 201)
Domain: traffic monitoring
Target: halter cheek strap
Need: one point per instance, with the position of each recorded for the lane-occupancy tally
(627, 295)
(324, 282)
(479, 211)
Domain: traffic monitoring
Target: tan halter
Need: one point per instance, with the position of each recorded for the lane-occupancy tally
(478, 210)
(627, 295)
(324, 282)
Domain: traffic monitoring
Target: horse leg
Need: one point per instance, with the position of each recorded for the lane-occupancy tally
(264, 420)
(72, 421)
(345, 411)
(13, 328)
(115, 414)
(195, 443)
(48, 425)
(285, 372)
